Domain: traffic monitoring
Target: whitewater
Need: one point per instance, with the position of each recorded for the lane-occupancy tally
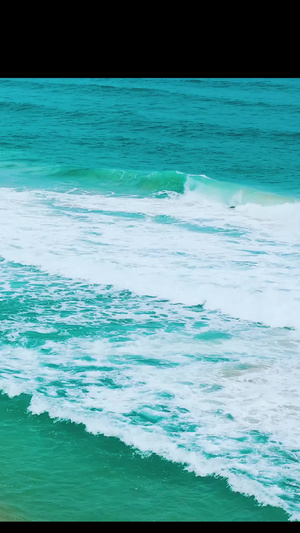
(193, 303)
(149, 299)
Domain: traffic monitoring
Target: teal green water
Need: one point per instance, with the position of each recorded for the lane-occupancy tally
(60, 472)
(150, 299)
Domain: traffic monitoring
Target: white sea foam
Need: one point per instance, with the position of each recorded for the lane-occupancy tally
(188, 413)
(228, 406)
(182, 403)
(244, 262)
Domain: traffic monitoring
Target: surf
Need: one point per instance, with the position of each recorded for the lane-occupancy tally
(149, 303)
(232, 194)
(200, 250)
(152, 182)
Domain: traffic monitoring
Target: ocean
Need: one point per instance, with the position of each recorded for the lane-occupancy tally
(150, 299)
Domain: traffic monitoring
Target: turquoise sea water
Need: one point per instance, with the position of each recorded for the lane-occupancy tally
(150, 299)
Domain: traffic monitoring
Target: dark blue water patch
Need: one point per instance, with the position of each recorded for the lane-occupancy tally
(150, 361)
(143, 418)
(258, 437)
(199, 324)
(177, 427)
(213, 335)
(245, 264)
(198, 308)
(166, 395)
(75, 211)
(209, 388)
(201, 226)
(255, 252)
(108, 382)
